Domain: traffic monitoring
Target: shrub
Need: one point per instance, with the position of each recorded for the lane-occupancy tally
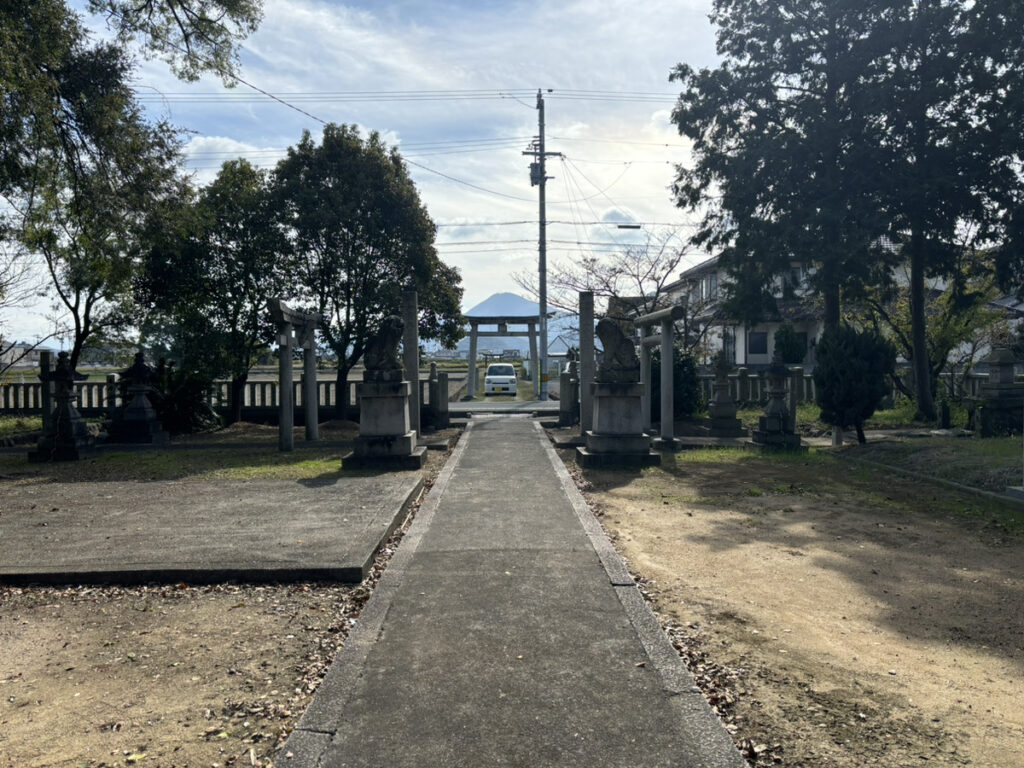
(790, 346)
(851, 376)
(686, 395)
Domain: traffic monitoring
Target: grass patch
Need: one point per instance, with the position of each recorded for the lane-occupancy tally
(990, 464)
(182, 464)
(16, 425)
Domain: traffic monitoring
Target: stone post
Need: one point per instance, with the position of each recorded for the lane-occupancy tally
(112, 379)
(796, 380)
(743, 385)
(310, 390)
(411, 355)
(645, 378)
(534, 360)
(565, 403)
(471, 370)
(47, 402)
(667, 414)
(286, 390)
(441, 406)
(587, 361)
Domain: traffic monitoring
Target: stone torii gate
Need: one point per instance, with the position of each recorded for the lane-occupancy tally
(294, 326)
(503, 322)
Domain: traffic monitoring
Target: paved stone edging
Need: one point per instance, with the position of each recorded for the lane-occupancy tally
(677, 681)
(316, 728)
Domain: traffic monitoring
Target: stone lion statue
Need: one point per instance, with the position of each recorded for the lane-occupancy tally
(381, 355)
(620, 363)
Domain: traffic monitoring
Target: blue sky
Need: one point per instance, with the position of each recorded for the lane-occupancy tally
(619, 146)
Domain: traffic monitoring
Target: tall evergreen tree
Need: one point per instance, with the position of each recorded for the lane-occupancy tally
(783, 150)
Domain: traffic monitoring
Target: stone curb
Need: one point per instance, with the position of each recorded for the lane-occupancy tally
(707, 730)
(315, 730)
(931, 479)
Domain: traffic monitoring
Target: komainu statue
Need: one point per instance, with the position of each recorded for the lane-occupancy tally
(381, 355)
(620, 363)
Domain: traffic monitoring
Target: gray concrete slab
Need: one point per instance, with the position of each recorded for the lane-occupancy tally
(499, 637)
(263, 530)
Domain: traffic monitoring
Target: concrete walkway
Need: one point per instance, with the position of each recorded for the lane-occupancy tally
(506, 632)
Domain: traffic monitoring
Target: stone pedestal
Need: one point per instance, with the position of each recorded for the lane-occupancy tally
(723, 421)
(617, 437)
(67, 438)
(138, 423)
(998, 406)
(386, 439)
(774, 427)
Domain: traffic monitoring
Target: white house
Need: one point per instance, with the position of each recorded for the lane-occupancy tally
(698, 288)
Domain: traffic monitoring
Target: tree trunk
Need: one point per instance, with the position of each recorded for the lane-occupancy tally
(860, 432)
(343, 404)
(918, 330)
(236, 396)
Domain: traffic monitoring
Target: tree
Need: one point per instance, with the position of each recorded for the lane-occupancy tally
(780, 145)
(80, 166)
(19, 285)
(215, 264)
(851, 376)
(89, 226)
(361, 234)
(193, 36)
(790, 346)
(639, 275)
(951, 166)
(58, 88)
(640, 272)
(961, 321)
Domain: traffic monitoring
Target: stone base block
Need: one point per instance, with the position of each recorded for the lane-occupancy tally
(617, 409)
(601, 443)
(719, 427)
(663, 444)
(62, 452)
(776, 440)
(589, 460)
(142, 432)
(385, 445)
(414, 460)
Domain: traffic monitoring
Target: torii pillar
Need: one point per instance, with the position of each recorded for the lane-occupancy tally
(292, 323)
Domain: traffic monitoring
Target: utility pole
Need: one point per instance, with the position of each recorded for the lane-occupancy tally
(538, 178)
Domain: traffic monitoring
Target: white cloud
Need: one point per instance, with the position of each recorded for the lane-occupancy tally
(619, 153)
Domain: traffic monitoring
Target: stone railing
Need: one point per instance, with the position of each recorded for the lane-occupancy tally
(260, 399)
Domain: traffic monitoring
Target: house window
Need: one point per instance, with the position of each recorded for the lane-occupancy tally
(709, 287)
(757, 343)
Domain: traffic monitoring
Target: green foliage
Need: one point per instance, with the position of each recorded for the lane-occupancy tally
(16, 425)
(181, 399)
(777, 128)
(215, 262)
(790, 346)
(832, 127)
(687, 398)
(193, 36)
(851, 375)
(961, 321)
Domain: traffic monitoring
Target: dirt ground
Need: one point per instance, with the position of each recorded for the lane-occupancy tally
(838, 616)
(168, 676)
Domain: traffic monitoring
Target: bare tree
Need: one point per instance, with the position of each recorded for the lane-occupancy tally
(20, 286)
(639, 272)
(637, 278)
